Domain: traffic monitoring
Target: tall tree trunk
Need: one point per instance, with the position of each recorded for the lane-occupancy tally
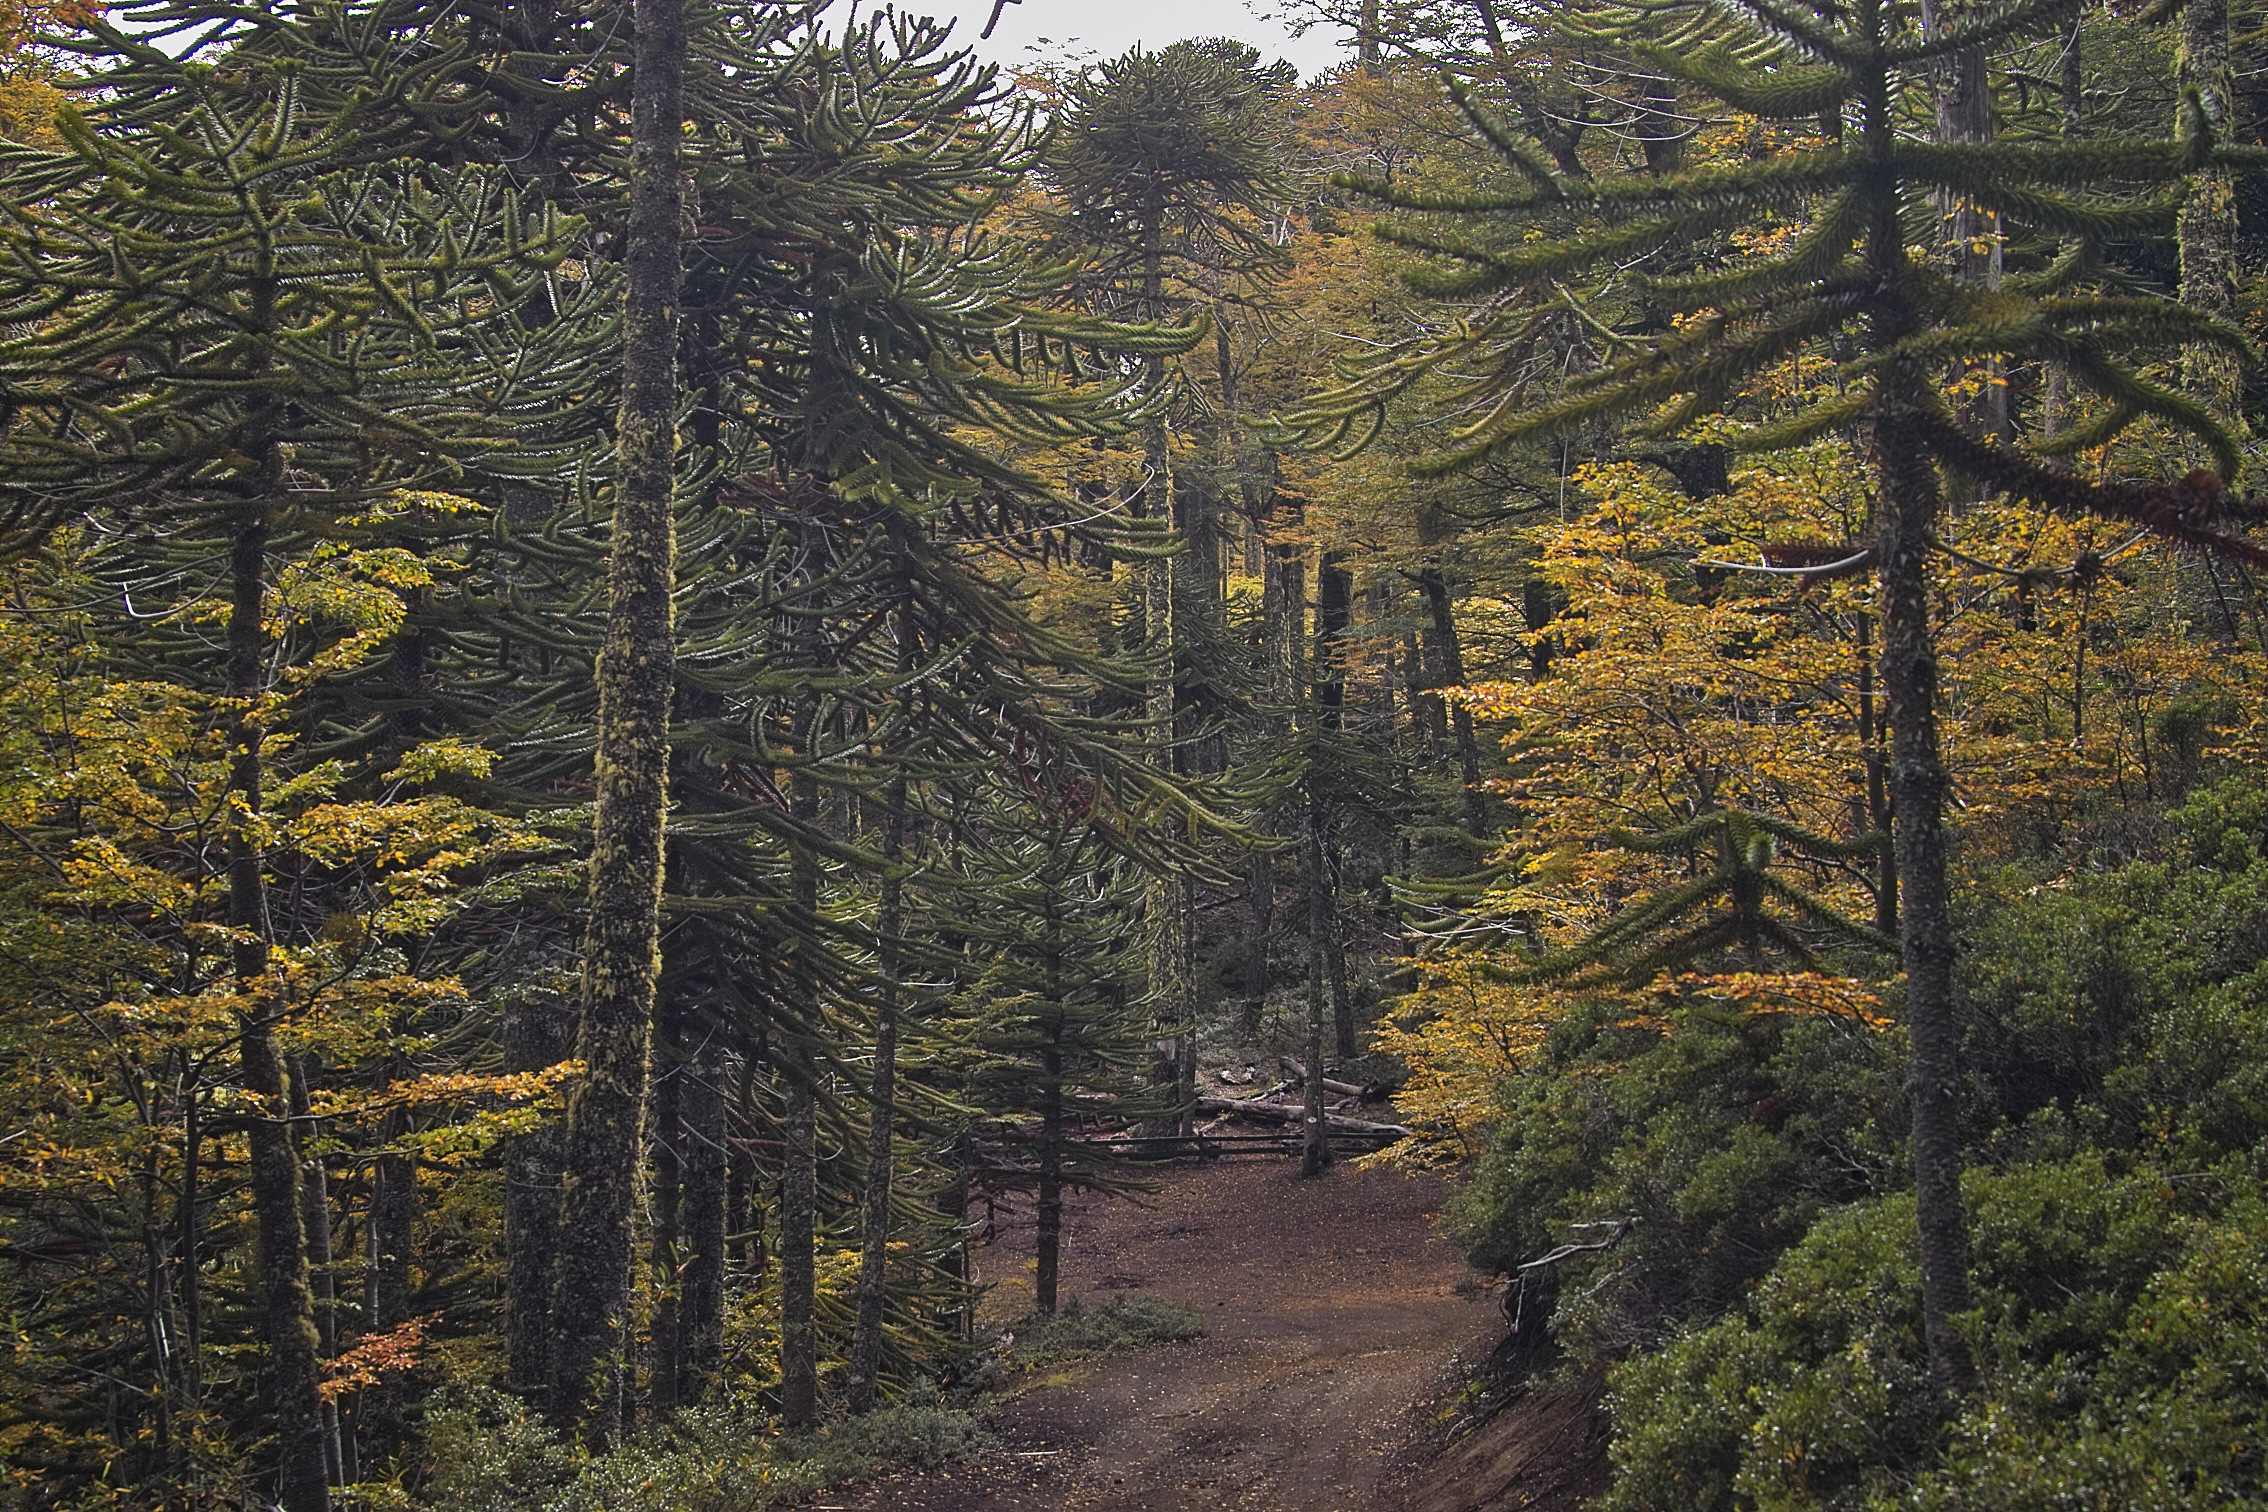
(701, 1208)
(1280, 614)
(2071, 84)
(1165, 905)
(744, 1239)
(393, 1215)
(953, 1203)
(1048, 1207)
(1333, 611)
(315, 1218)
(889, 921)
(1973, 234)
(287, 1298)
(1259, 919)
(664, 1340)
(537, 1034)
(1875, 815)
(386, 1285)
(2208, 223)
(1343, 1038)
(157, 1306)
(1907, 518)
(1315, 1152)
(635, 676)
(1445, 668)
(799, 1177)
(189, 1246)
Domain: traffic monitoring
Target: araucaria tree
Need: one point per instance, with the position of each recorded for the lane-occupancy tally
(1166, 171)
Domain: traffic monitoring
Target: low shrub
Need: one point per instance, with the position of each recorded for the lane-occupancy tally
(1079, 1330)
(2121, 1333)
(491, 1454)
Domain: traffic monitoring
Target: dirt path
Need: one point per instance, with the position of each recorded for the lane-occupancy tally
(1330, 1309)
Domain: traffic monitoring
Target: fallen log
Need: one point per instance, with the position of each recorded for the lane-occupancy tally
(1330, 1084)
(1293, 1113)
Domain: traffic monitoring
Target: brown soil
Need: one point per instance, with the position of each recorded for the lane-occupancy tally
(1331, 1308)
(1546, 1452)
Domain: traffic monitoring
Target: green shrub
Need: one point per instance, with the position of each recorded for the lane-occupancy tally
(1763, 1309)
(1121, 1323)
(490, 1454)
(2119, 1333)
(1724, 1139)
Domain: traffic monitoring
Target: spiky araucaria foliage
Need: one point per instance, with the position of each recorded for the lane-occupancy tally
(1679, 927)
(1844, 173)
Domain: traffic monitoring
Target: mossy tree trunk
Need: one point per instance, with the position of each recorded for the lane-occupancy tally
(635, 676)
(1907, 517)
(315, 1220)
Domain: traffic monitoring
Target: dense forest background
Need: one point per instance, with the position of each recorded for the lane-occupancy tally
(652, 652)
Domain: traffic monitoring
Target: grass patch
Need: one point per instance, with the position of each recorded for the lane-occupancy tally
(1079, 1332)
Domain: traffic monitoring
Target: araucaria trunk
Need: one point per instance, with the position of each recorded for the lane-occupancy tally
(1907, 518)
(287, 1299)
(799, 1071)
(636, 668)
(874, 1226)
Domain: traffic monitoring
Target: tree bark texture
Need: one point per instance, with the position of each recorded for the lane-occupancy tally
(315, 1219)
(1333, 609)
(1908, 516)
(636, 671)
(286, 1296)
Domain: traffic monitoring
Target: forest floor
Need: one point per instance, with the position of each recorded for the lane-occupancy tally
(1334, 1318)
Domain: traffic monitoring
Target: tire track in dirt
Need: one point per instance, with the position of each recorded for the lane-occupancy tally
(1331, 1307)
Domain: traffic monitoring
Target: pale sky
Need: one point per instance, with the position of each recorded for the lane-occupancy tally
(1039, 29)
